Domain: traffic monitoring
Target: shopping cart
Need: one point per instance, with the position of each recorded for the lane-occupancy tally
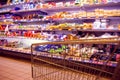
(58, 61)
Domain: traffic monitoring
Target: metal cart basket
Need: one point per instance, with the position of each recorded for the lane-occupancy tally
(59, 61)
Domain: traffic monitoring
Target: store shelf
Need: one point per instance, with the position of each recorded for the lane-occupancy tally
(6, 20)
(100, 30)
(85, 41)
(32, 21)
(84, 19)
(12, 30)
(62, 20)
(5, 6)
(86, 30)
(70, 58)
(85, 7)
(23, 38)
(23, 12)
(5, 12)
(71, 8)
(82, 30)
(51, 20)
(11, 5)
(16, 49)
(57, 0)
(78, 59)
(69, 19)
(111, 5)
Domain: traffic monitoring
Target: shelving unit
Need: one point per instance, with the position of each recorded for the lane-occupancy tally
(48, 11)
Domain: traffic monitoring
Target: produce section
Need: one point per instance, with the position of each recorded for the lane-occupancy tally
(24, 22)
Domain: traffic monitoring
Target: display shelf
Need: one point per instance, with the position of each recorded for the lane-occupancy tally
(73, 8)
(15, 30)
(33, 40)
(5, 12)
(57, 0)
(32, 21)
(85, 41)
(11, 5)
(15, 54)
(88, 30)
(22, 38)
(82, 30)
(101, 30)
(71, 0)
(78, 59)
(75, 20)
(28, 51)
(78, 8)
(6, 19)
(5, 6)
(84, 19)
(89, 18)
(22, 12)
(111, 5)
(63, 20)
(16, 49)
(73, 58)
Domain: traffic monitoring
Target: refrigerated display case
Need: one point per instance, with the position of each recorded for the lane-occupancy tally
(29, 22)
(62, 55)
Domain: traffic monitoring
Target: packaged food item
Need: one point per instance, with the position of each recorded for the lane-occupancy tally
(103, 24)
(96, 24)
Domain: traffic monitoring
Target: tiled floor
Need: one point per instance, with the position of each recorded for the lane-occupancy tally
(12, 69)
(18, 69)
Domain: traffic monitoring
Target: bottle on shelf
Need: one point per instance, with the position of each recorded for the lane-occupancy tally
(103, 24)
(96, 24)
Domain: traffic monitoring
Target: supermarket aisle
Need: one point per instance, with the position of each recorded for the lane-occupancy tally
(12, 69)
